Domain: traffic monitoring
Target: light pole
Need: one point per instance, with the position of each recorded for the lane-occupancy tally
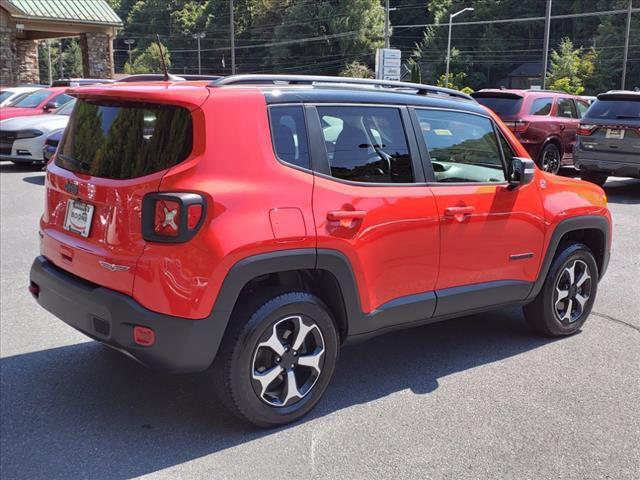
(451, 17)
(130, 42)
(545, 48)
(626, 46)
(198, 37)
(233, 39)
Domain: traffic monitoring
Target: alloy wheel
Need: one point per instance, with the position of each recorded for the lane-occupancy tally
(288, 361)
(551, 160)
(572, 292)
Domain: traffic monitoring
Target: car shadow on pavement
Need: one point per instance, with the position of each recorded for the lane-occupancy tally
(86, 411)
(625, 191)
(19, 167)
(35, 179)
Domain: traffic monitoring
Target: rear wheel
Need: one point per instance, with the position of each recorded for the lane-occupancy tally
(550, 158)
(566, 298)
(594, 177)
(277, 359)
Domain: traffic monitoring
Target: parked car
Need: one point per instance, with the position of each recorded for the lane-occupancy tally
(45, 100)
(51, 144)
(254, 231)
(11, 94)
(77, 82)
(159, 77)
(609, 138)
(22, 138)
(544, 121)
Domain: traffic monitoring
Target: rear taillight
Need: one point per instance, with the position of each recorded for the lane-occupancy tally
(517, 126)
(172, 217)
(586, 130)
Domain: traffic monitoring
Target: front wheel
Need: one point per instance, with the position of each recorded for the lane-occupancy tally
(566, 298)
(277, 359)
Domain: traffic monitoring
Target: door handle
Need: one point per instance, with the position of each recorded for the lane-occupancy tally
(459, 213)
(338, 215)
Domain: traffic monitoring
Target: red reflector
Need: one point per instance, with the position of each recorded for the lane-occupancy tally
(144, 336)
(167, 217)
(34, 289)
(194, 212)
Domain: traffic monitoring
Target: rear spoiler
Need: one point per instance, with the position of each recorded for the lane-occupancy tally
(495, 94)
(621, 95)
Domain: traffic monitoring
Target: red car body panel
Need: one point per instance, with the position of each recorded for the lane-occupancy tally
(10, 112)
(401, 244)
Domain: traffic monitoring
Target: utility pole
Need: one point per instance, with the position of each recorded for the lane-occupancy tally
(233, 40)
(545, 53)
(626, 46)
(451, 17)
(49, 62)
(130, 42)
(198, 37)
(60, 63)
(386, 24)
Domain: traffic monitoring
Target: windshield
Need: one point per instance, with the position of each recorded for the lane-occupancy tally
(125, 139)
(33, 99)
(614, 109)
(501, 105)
(66, 109)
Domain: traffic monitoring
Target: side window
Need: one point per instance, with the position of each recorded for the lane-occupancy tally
(566, 108)
(366, 144)
(582, 108)
(463, 147)
(61, 99)
(541, 106)
(289, 135)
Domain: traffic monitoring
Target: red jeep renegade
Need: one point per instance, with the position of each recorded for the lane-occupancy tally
(254, 225)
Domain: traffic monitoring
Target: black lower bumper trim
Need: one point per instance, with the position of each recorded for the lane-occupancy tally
(105, 315)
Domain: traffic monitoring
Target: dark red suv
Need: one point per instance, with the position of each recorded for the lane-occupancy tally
(254, 225)
(545, 122)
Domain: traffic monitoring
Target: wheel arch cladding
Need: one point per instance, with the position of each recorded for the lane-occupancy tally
(592, 230)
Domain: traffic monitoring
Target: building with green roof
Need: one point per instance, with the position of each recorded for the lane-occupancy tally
(23, 23)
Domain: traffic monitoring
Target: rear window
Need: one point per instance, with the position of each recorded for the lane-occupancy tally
(501, 105)
(614, 109)
(124, 139)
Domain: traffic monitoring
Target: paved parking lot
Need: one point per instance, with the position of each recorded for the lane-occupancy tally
(477, 397)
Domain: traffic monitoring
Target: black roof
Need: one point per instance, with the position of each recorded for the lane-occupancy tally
(328, 94)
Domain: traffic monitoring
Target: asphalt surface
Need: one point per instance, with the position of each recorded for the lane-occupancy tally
(474, 398)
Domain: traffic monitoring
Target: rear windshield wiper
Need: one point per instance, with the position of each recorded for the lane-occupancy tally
(75, 162)
(631, 117)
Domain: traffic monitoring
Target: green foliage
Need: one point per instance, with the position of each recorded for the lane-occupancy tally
(148, 61)
(456, 81)
(356, 69)
(71, 59)
(570, 67)
(416, 74)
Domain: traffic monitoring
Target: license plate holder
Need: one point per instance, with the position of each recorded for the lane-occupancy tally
(78, 217)
(615, 133)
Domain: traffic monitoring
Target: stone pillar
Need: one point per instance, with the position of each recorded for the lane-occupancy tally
(8, 57)
(27, 53)
(97, 55)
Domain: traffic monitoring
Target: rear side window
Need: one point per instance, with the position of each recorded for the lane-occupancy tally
(125, 139)
(541, 106)
(502, 105)
(566, 108)
(366, 144)
(289, 134)
(614, 109)
(463, 147)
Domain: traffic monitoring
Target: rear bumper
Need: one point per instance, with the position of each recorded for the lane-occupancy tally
(109, 317)
(619, 167)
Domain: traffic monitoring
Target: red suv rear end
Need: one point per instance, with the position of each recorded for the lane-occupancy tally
(545, 122)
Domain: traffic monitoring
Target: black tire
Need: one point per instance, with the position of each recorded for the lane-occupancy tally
(550, 158)
(252, 325)
(545, 312)
(594, 177)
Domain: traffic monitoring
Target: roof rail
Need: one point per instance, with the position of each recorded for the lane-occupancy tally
(419, 88)
(548, 90)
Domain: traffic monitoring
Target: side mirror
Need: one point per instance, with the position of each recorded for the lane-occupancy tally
(50, 106)
(521, 171)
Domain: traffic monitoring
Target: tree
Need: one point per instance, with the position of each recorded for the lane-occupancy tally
(149, 61)
(416, 74)
(356, 69)
(456, 82)
(569, 68)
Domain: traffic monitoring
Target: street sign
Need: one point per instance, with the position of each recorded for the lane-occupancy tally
(388, 64)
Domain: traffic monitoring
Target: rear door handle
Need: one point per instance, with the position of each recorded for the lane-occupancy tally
(459, 213)
(337, 215)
